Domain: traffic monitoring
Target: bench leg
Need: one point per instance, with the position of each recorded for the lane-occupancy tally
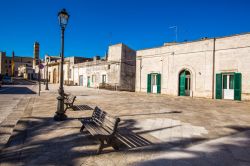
(82, 128)
(66, 108)
(113, 143)
(100, 146)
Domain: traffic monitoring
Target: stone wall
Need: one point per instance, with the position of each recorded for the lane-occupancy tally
(128, 68)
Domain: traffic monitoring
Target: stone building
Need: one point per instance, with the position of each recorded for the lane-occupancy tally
(27, 72)
(116, 71)
(54, 68)
(210, 68)
(23, 66)
(7, 65)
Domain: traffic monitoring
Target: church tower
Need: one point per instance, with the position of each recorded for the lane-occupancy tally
(36, 54)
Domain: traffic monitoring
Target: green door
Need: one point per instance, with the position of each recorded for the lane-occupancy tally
(182, 82)
(158, 81)
(149, 84)
(237, 86)
(218, 86)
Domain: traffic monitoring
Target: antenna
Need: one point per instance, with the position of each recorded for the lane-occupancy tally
(110, 38)
(176, 32)
(109, 44)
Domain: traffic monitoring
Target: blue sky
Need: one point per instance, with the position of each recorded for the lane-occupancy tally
(94, 24)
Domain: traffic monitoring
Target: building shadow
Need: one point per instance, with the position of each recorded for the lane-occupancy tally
(25, 82)
(155, 113)
(33, 143)
(16, 90)
(58, 149)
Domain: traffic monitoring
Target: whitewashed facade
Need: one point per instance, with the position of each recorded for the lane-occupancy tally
(210, 68)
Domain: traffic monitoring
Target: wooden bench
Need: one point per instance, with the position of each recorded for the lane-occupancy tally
(69, 100)
(103, 127)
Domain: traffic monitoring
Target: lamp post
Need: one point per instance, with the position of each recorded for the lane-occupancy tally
(63, 17)
(47, 73)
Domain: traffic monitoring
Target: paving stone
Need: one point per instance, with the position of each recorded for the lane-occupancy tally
(182, 131)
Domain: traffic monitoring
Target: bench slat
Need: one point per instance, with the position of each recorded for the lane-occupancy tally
(96, 130)
(103, 126)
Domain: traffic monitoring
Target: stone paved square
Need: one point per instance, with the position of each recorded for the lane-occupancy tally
(178, 131)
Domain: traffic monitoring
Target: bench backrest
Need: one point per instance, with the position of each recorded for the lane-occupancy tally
(109, 123)
(70, 98)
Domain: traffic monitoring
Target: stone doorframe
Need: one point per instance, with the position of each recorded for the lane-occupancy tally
(192, 75)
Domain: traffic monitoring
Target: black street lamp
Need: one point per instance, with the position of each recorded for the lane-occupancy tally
(63, 17)
(47, 73)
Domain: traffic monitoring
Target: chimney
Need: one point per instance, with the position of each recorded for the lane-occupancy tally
(96, 58)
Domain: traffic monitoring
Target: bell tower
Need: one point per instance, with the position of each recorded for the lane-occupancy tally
(36, 54)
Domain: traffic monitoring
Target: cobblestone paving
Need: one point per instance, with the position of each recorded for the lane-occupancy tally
(183, 131)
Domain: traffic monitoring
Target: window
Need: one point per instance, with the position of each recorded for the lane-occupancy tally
(108, 66)
(231, 82)
(224, 81)
(154, 79)
(104, 78)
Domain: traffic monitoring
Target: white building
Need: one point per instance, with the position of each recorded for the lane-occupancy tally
(116, 71)
(211, 68)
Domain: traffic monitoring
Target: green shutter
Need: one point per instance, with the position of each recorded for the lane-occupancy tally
(149, 84)
(218, 86)
(182, 83)
(158, 83)
(237, 86)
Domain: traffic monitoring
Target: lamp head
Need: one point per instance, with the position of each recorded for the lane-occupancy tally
(63, 17)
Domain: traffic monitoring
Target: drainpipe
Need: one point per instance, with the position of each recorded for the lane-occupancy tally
(140, 72)
(213, 69)
(73, 75)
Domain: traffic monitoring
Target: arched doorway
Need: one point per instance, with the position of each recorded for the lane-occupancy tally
(54, 76)
(185, 83)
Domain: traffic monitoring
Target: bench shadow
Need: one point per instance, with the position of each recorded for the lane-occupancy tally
(81, 108)
(130, 137)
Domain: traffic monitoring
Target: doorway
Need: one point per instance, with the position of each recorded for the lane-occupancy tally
(228, 86)
(54, 76)
(184, 83)
(88, 82)
(81, 80)
(154, 83)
